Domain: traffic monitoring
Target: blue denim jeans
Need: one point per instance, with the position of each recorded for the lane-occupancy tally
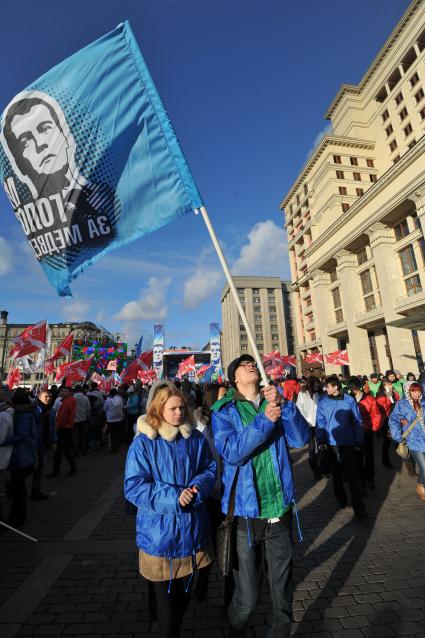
(420, 462)
(275, 545)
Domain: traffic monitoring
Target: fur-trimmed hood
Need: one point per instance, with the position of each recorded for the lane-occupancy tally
(166, 431)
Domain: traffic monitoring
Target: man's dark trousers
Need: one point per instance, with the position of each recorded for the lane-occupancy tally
(275, 545)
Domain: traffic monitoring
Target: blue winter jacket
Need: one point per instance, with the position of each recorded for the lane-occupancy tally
(338, 421)
(237, 444)
(24, 438)
(403, 410)
(158, 468)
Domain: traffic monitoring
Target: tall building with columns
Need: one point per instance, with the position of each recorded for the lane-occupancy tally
(355, 216)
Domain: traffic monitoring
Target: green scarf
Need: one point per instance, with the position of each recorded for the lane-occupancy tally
(374, 387)
(268, 486)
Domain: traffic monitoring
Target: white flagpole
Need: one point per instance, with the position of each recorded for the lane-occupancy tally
(225, 267)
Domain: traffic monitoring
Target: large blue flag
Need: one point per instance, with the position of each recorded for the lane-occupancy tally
(89, 158)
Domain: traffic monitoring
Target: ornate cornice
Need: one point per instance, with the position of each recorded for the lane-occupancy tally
(389, 44)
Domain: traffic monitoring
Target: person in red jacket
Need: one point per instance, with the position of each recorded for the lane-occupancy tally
(371, 418)
(65, 418)
(291, 387)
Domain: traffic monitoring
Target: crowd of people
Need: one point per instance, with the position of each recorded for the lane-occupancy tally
(198, 455)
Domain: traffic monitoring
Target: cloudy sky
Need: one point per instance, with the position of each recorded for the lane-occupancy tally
(246, 84)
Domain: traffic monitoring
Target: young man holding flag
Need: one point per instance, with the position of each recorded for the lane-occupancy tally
(252, 429)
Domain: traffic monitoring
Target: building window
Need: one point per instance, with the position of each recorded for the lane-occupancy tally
(298, 200)
(413, 285)
(241, 291)
(401, 230)
(414, 80)
(342, 190)
(256, 299)
(242, 327)
(243, 337)
(408, 260)
(270, 291)
(333, 275)
(244, 347)
(369, 163)
(385, 115)
(422, 113)
(258, 327)
(273, 317)
(305, 189)
(345, 207)
(255, 291)
(396, 159)
(422, 247)
(411, 144)
(359, 192)
(407, 130)
(274, 326)
(353, 161)
(257, 308)
(373, 178)
(257, 317)
(340, 174)
(272, 308)
(393, 145)
(357, 177)
(362, 256)
(389, 130)
(369, 303)
(259, 338)
(419, 95)
(337, 159)
(366, 281)
(398, 98)
(403, 113)
(275, 337)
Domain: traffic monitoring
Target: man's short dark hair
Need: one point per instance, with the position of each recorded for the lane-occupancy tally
(333, 380)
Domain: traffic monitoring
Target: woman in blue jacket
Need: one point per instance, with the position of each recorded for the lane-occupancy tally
(24, 454)
(169, 475)
(407, 411)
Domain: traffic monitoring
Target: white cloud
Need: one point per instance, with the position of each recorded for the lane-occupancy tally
(264, 254)
(320, 135)
(150, 305)
(75, 310)
(5, 257)
(200, 286)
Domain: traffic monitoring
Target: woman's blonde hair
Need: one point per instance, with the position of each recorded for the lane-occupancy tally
(155, 413)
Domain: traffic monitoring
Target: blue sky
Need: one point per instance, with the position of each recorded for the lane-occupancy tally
(246, 84)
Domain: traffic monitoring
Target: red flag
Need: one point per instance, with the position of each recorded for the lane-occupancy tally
(289, 360)
(33, 338)
(337, 358)
(186, 366)
(112, 365)
(13, 378)
(273, 364)
(97, 378)
(49, 367)
(74, 371)
(313, 357)
(145, 360)
(64, 349)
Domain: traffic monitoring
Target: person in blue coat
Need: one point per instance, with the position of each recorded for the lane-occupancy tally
(252, 431)
(339, 425)
(406, 411)
(24, 455)
(169, 475)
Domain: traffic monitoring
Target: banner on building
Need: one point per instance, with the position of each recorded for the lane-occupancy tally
(33, 338)
(158, 349)
(215, 349)
(89, 158)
